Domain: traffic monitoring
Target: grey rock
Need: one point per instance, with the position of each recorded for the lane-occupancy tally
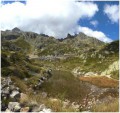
(25, 79)
(6, 90)
(8, 81)
(44, 94)
(39, 84)
(3, 107)
(14, 93)
(41, 81)
(38, 108)
(7, 110)
(12, 87)
(14, 106)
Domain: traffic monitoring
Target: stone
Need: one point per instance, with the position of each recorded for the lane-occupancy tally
(44, 94)
(65, 104)
(38, 108)
(7, 110)
(47, 110)
(14, 93)
(39, 84)
(12, 87)
(75, 106)
(8, 81)
(25, 79)
(5, 90)
(44, 78)
(17, 88)
(17, 108)
(90, 74)
(3, 106)
(25, 109)
(14, 106)
(41, 81)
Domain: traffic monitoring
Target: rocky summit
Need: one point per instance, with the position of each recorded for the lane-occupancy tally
(40, 73)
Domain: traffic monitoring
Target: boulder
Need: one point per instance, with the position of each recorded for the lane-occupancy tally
(14, 106)
(12, 87)
(6, 90)
(14, 93)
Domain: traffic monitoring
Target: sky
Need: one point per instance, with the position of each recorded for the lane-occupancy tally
(99, 19)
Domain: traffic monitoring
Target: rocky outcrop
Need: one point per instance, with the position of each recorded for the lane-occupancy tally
(9, 93)
(13, 99)
(113, 67)
(77, 72)
(42, 79)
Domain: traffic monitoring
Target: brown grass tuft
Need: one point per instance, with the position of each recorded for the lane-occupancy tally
(107, 107)
(101, 81)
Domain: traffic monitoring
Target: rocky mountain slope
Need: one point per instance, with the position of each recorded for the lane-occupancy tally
(52, 68)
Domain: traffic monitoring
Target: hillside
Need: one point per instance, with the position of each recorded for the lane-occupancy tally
(72, 74)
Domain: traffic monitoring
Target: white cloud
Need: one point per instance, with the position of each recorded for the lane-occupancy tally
(98, 34)
(94, 23)
(112, 12)
(52, 17)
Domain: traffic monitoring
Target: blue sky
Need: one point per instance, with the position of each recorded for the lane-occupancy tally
(11, 1)
(98, 19)
(109, 28)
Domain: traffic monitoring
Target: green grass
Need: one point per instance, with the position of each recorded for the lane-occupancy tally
(64, 85)
(20, 83)
(25, 46)
(33, 68)
(5, 71)
(115, 74)
(33, 80)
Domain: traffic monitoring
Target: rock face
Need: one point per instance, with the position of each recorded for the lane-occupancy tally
(16, 29)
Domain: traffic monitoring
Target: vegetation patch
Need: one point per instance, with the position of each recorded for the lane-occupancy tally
(112, 106)
(63, 85)
(19, 83)
(101, 81)
(115, 74)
